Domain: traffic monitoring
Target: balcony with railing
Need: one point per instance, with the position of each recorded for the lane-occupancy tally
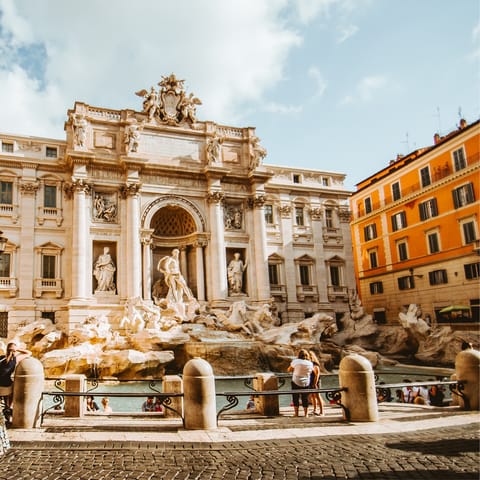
(48, 285)
(279, 292)
(337, 293)
(307, 291)
(9, 286)
(49, 213)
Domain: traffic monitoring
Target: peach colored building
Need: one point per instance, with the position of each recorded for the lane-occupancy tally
(415, 231)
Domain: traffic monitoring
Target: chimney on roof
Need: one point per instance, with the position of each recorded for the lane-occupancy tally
(463, 124)
(436, 138)
(399, 157)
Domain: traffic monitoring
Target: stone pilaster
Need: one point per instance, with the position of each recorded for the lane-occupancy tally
(147, 264)
(28, 190)
(260, 248)
(81, 266)
(133, 250)
(200, 270)
(217, 257)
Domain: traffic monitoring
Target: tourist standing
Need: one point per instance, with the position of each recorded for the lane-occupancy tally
(315, 383)
(301, 369)
(8, 363)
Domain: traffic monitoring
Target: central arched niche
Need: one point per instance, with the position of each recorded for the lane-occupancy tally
(174, 227)
(172, 221)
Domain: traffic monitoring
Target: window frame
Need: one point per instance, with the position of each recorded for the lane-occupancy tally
(406, 282)
(367, 205)
(373, 258)
(428, 209)
(376, 288)
(370, 232)
(299, 218)
(459, 161)
(438, 277)
(430, 242)
(402, 250)
(468, 230)
(268, 213)
(463, 195)
(399, 221)
(396, 191)
(471, 270)
(425, 176)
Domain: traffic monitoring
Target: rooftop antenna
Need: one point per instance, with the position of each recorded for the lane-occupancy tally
(439, 122)
(406, 142)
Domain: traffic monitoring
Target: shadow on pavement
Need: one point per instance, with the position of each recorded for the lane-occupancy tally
(447, 448)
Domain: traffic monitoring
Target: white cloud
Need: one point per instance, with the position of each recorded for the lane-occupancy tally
(307, 10)
(274, 107)
(346, 32)
(476, 32)
(320, 83)
(229, 53)
(365, 89)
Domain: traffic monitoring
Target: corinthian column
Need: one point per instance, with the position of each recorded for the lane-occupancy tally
(261, 258)
(217, 278)
(81, 266)
(147, 264)
(133, 260)
(200, 270)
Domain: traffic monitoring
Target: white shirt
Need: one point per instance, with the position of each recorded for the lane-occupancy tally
(301, 372)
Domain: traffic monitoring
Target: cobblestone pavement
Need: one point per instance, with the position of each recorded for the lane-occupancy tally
(450, 453)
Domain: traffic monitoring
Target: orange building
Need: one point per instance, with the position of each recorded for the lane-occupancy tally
(415, 232)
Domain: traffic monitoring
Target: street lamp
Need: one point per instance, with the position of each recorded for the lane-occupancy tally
(3, 242)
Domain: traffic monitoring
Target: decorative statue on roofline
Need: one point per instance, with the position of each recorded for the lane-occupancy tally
(170, 104)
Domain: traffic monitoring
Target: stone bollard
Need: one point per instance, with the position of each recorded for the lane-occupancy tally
(28, 385)
(199, 395)
(75, 406)
(173, 384)
(467, 365)
(356, 374)
(266, 404)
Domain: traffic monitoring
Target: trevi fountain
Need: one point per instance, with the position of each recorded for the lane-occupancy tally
(155, 338)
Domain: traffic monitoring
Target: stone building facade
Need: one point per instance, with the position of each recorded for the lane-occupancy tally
(134, 185)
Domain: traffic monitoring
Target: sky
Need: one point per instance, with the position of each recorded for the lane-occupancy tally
(332, 85)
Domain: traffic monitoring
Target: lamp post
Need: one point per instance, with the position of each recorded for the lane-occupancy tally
(3, 242)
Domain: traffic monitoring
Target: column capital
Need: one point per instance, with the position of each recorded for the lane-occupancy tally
(215, 197)
(285, 210)
(130, 189)
(316, 213)
(29, 188)
(257, 201)
(76, 185)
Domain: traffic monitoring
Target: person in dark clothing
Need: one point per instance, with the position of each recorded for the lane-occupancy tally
(8, 363)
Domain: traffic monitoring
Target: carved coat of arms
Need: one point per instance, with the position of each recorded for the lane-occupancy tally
(170, 104)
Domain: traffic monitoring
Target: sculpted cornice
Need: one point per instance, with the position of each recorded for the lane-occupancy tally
(29, 188)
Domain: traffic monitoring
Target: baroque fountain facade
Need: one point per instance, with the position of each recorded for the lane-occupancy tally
(148, 237)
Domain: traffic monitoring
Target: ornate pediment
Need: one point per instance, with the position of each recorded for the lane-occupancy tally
(170, 104)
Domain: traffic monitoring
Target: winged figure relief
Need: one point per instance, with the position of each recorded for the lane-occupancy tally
(151, 101)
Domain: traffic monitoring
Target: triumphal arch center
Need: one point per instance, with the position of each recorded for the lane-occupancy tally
(92, 219)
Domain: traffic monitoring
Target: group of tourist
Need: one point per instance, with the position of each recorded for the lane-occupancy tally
(306, 375)
(152, 404)
(421, 395)
(91, 405)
